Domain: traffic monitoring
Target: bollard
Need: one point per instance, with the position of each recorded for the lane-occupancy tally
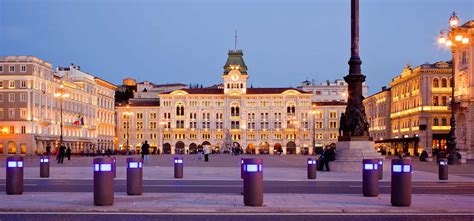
(241, 168)
(312, 164)
(443, 169)
(114, 166)
(380, 162)
(253, 182)
(103, 181)
(401, 182)
(44, 166)
(14, 175)
(178, 167)
(370, 177)
(134, 176)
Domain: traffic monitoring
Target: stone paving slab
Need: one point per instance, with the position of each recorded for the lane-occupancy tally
(233, 203)
(225, 173)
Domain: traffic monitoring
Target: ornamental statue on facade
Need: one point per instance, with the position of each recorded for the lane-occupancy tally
(227, 142)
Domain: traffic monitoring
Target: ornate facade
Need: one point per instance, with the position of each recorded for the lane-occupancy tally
(30, 116)
(417, 107)
(464, 92)
(259, 120)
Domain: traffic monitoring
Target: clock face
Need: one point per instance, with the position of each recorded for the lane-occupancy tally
(234, 77)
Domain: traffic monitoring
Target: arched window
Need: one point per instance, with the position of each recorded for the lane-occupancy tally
(234, 110)
(435, 121)
(179, 109)
(435, 82)
(444, 82)
(444, 122)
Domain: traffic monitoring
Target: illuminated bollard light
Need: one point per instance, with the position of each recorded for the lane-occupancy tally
(178, 167)
(312, 165)
(134, 176)
(44, 166)
(103, 181)
(443, 169)
(14, 175)
(380, 162)
(253, 182)
(114, 166)
(241, 168)
(401, 182)
(370, 177)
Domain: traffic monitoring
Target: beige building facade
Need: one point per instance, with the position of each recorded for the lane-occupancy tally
(258, 120)
(464, 90)
(417, 106)
(30, 116)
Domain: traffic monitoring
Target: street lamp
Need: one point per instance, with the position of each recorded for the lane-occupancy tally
(314, 112)
(294, 122)
(163, 122)
(61, 94)
(127, 115)
(452, 38)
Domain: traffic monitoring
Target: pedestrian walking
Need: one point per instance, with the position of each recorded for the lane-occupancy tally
(199, 152)
(61, 153)
(68, 153)
(206, 153)
(146, 152)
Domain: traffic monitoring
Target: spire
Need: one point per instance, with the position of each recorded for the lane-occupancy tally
(235, 41)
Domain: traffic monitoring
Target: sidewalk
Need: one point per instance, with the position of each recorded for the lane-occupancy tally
(224, 173)
(232, 203)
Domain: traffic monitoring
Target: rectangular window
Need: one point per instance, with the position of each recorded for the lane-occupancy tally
(12, 68)
(1, 113)
(11, 112)
(1, 83)
(23, 130)
(23, 97)
(153, 125)
(11, 97)
(1, 97)
(139, 115)
(1, 68)
(139, 125)
(23, 68)
(11, 84)
(23, 113)
(22, 84)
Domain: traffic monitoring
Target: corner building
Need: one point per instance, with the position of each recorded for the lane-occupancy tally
(30, 113)
(259, 120)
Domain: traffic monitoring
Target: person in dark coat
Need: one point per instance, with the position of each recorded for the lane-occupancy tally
(342, 124)
(61, 153)
(48, 150)
(325, 158)
(68, 153)
(146, 152)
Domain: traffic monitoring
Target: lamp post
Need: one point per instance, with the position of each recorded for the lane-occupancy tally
(314, 112)
(61, 94)
(452, 38)
(163, 122)
(294, 122)
(127, 115)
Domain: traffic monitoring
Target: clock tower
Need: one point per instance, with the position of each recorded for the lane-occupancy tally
(235, 74)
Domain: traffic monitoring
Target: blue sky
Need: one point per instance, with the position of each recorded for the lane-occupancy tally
(284, 41)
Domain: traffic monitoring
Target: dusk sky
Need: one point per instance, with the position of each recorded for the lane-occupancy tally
(284, 42)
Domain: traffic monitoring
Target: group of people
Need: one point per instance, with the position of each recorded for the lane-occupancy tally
(62, 153)
(328, 155)
(203, 151)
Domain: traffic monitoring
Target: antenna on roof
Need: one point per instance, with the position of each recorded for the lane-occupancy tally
(235, 40)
